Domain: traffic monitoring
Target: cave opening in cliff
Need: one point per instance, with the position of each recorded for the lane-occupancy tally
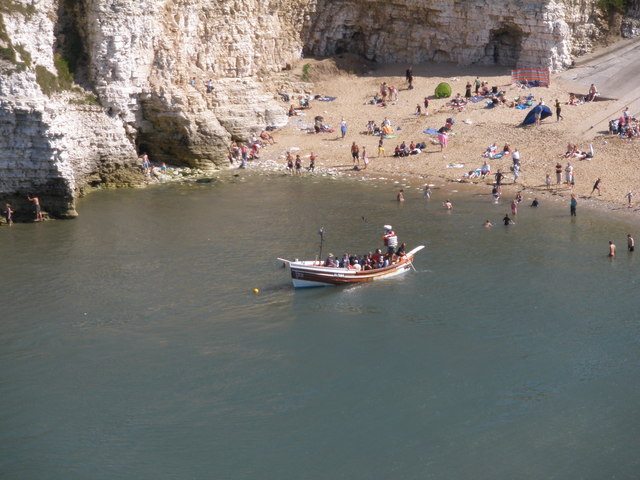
(350, 43)
(504, 46)
(69, 44)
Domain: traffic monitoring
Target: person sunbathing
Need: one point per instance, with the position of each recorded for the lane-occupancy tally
(266, 137)
(571, 150)
(491, 151)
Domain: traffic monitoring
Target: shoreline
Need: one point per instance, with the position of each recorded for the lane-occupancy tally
(415, 183)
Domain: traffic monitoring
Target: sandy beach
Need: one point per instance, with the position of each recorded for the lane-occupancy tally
(475, 128)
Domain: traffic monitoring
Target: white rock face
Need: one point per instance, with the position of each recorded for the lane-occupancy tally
(138, 58)
(545, 34)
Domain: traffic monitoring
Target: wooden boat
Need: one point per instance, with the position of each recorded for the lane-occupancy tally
(313, 273)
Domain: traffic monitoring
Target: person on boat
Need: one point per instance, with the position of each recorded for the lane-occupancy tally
(376, 259)
(330, 261)
(402, 250)
(390, 239)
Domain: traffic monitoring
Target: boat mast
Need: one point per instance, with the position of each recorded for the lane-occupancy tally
(321, 233)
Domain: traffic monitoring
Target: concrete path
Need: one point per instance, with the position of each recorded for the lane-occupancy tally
(615, 71)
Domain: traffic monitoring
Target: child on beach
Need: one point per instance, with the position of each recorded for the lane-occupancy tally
(443, 140)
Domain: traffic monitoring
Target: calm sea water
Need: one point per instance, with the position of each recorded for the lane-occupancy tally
(133, 346)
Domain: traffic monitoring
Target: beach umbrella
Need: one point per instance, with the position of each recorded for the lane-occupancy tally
(531, 116)
(443, 90)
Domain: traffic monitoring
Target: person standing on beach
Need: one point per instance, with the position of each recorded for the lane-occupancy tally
(36, 203)
(568, 173)
(8, 214)
(515, 156)
(443, 139)
(629, 196)
(343, 127)
(409, 77)
(516, 172)
(630, 242)
(467, 91)
(381, 147)
(573, 204)
(289, 163)
(312, 162)
(547, 181)
(365, 157)
(596, 186)
(355, 154)
(298, 165)
(612, 249)
(477, 85)
(558, 111)
(558, 173)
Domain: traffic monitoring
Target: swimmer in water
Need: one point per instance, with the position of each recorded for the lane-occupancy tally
(447, 204)
(487, 223)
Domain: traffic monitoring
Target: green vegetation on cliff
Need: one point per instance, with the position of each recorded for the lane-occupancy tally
(50, 82)
(619, 6)
(7, 49)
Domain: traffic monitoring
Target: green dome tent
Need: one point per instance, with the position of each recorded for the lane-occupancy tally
(443, 90)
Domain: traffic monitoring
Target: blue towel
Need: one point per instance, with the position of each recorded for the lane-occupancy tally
(431, 131)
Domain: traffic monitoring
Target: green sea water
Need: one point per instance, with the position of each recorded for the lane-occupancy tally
(133, 347)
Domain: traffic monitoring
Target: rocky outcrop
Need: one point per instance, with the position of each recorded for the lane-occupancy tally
(511, 32)
(139, 71)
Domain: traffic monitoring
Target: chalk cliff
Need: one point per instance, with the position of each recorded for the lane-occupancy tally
(86, 85)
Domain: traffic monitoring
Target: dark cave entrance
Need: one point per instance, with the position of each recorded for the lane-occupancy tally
(350, 43)
(504, 46)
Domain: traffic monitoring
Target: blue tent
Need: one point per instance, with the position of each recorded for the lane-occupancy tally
(531, 116)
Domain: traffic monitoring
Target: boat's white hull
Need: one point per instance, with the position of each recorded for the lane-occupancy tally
(313, 274)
